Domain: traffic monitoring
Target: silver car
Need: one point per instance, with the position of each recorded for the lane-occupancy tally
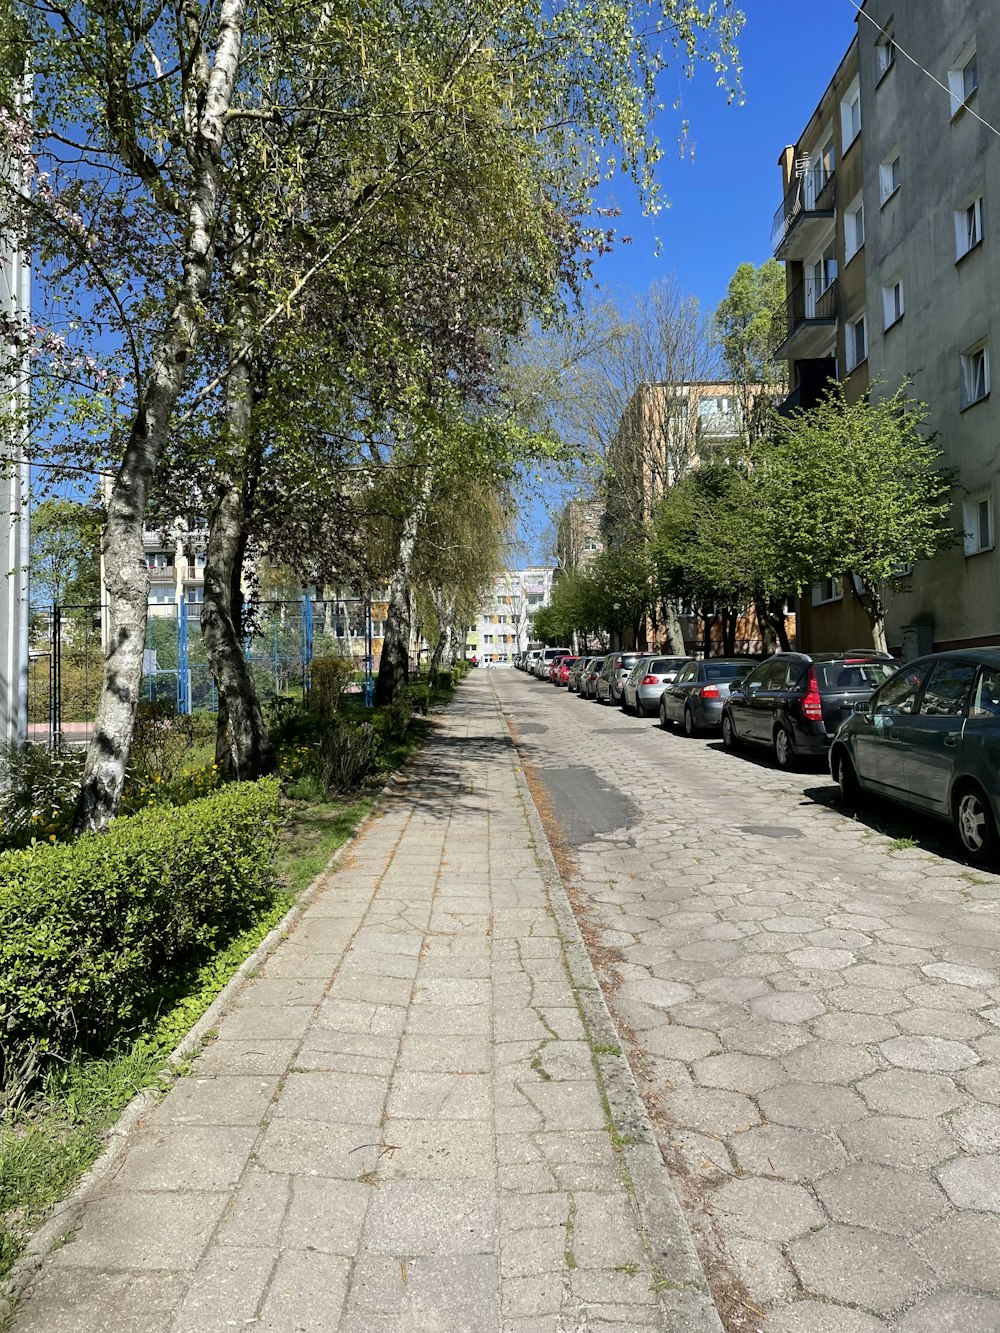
(614, 673)
(646, 682)
(590, 677)
(578, 668)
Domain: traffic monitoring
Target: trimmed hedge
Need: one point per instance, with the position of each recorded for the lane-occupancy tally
(92, 932)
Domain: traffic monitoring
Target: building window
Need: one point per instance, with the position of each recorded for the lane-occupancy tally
(857, 342)
(829, 590)
(968, 227)
(975, 374)
(850, 115)
(854, 228)
(977, 514)
(963, 80)
(892, 303)
(889, 175)
(885, 50)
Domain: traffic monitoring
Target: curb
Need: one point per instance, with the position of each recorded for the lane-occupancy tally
(684, 1292)
(64, 1215)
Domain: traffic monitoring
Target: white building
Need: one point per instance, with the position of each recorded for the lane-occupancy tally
(503, 627)
(15, 549)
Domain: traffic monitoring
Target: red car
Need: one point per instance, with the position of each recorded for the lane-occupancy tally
(565, 667)
(554, 666)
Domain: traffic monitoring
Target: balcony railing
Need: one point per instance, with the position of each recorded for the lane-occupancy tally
(812, 192)
(162, 574)
(813, 307)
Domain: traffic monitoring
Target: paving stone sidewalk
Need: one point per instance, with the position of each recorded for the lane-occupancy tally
(408, 1120)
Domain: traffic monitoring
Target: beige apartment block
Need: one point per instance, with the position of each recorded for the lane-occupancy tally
(665, 430)
(891, 223)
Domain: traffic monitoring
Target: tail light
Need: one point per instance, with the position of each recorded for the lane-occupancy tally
(709, 691)
(650, 680)
(812, 704)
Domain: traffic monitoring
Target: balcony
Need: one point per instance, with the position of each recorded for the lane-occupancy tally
(719, 426)
(810, 321)
(162, 574)
(803, 221)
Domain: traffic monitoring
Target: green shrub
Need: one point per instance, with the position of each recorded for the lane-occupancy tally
(93, 933)
(346, 755)
(38, 790)
(420, 697)
(330, 677)
(161, 739)
(398, 717)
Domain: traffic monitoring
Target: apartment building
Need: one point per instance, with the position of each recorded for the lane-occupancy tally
(578, 535)
(666, 428)
(503, 627)
(893, 271)
(176, 564)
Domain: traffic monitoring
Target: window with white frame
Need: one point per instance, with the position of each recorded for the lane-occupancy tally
(963, 80)
(889, 176)
(885, 49)
(854, 227)
(968, 226)
(975, 363)
(827, 590)
(857, 341)
(892, 302)
(850, 115)
(977, 515)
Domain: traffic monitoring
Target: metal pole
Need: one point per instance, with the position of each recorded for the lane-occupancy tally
(307, 643)
(55, 710)
(183, 684)
(369, 655)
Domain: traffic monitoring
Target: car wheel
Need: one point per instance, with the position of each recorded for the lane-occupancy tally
(640, 710)
(784, 755)
(690, 726)
(846, 778)
(730, 740)
(663, 718)
(977, 830)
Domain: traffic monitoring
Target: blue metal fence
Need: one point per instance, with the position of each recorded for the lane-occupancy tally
(67, 658)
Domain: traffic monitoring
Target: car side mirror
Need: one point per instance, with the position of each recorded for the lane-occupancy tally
(864, 707)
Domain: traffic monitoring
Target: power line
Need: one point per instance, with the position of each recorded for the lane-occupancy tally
(923, 69)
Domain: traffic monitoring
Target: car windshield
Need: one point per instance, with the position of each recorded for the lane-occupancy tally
(726, 670)
(853, 675)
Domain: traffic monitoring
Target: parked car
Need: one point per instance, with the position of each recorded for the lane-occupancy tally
(614, 673)
(929, 738)
(695, 696)
(795, 703)
(544, 661)
(565, 667)
(588, 682)
(646, 681)
(531, 657)
(581, 665)
(554, 665)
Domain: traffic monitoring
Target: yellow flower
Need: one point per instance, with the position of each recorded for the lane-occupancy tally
(52, 837)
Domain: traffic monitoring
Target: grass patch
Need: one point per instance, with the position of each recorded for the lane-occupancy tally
(902, 844)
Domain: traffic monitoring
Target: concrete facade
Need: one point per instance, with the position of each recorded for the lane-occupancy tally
(503, 627)
(913, 288)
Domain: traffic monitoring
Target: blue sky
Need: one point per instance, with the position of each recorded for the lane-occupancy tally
(722, 200)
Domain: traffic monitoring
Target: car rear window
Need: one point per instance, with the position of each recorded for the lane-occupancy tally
(629, 660)
(663, 664)
(853, 675)
(726, 670)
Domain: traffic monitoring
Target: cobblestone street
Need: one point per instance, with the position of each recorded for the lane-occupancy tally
(811, 1006)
